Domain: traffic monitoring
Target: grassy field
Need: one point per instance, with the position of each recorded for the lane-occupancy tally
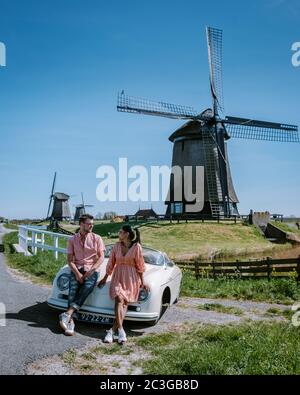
(11, 226)
(42, 267)
(253, 348)
(196, 239)
(277, 290)
(249, 348)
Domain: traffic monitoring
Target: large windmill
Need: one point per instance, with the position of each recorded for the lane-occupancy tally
(80, 209)
(202, 140)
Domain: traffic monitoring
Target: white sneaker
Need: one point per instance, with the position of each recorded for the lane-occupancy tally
(64, 319)
(122, 336)
(70, 328)
(109, 336)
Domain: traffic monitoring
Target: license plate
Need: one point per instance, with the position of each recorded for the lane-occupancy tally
(94, 318)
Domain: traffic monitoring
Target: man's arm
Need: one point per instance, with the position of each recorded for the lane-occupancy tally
(95, 266)
(72, 265)
(70, 258)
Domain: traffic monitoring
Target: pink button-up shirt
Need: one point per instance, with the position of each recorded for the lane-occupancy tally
(86, 251)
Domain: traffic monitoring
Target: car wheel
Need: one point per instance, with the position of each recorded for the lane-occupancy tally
(165, 303)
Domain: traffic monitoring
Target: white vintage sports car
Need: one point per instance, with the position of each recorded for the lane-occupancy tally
(162, 276)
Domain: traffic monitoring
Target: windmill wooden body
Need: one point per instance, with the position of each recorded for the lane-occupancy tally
(60, 205)
(202, 141)
(80, 209)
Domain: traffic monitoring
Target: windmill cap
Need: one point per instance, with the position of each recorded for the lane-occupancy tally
(61, 196)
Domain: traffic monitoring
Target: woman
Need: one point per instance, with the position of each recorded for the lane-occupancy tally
(127, 264)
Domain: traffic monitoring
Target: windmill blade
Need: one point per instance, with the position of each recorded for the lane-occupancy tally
(261, 130)
(149, 107)
(51, 196)
(82, 199)
(214, 46)
(53, 185)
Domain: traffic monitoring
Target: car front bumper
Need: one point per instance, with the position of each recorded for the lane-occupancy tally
(140, 316)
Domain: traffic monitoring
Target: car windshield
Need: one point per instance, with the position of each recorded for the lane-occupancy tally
(151, 257)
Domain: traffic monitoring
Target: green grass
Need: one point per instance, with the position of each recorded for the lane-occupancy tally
(105, 229)
(286, 227)
(248, 349)
(277, 290)
(11, 226)
(274, 311)
(220, 308)
(196, 239)
(69, 357)
(42, 266)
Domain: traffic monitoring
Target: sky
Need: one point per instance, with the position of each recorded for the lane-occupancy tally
(66, 61)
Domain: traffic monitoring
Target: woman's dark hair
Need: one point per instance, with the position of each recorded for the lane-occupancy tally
(134, 234)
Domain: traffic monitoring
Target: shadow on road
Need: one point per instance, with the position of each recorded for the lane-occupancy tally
(40, 315)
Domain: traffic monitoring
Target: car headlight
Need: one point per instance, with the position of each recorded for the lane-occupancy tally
(63, 282)
(143, 296)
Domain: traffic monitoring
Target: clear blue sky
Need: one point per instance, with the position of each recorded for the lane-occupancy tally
(67, 59)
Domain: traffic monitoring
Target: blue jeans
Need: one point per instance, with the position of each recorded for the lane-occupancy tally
(78, 293)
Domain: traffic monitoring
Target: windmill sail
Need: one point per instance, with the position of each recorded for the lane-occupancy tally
(214, 46)
(138, 105)
(261, 130)
(51, 196)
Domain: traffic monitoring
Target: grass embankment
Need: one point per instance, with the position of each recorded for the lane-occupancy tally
(196, 239)
(286, 227)
(11, 226)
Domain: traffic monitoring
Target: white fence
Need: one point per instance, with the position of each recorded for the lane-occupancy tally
(35, 238)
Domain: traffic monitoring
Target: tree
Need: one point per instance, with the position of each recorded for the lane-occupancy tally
(109, 215)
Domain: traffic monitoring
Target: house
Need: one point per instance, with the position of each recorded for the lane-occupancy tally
(146, 214)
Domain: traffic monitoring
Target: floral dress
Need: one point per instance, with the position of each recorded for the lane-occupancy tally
(125, 269)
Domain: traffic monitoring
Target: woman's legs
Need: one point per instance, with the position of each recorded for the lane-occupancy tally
(125, 307)
(119, 313)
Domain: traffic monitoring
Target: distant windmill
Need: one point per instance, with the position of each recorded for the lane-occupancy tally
(80, 209)
(202, 140)
(60, 205)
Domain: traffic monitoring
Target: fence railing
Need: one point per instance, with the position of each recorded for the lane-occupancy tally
(268, 268)
(35, 239)
(185, 218)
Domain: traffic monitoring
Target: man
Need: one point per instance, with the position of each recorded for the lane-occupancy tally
(85, 255)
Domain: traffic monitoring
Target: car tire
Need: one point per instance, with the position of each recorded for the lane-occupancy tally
(164, 304)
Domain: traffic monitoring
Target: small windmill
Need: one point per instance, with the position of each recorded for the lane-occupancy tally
(60, 205)
(202, 140)
(80, 209)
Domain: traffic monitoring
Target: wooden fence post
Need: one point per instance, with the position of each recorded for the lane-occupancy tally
(214, 269)
(197, 270)
(269, 268)
(298, 270)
